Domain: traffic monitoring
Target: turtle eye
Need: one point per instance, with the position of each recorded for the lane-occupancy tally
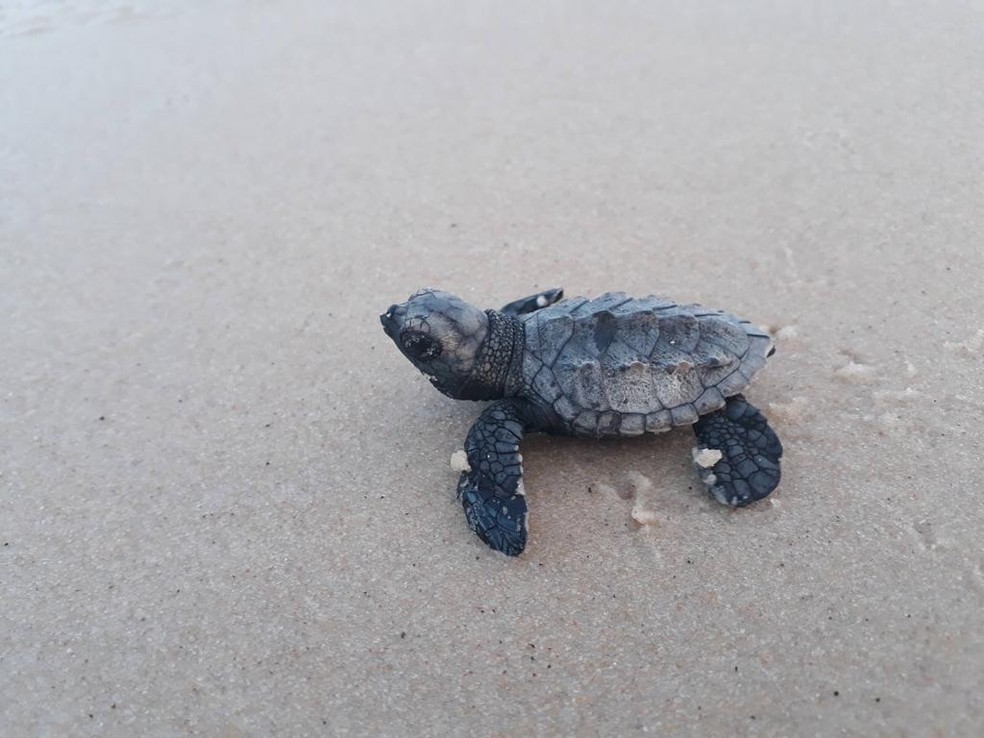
(421, 346)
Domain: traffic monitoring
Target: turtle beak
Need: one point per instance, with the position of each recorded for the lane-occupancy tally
(392, 319)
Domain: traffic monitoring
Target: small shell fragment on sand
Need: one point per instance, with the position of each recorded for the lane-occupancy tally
(706, 457)
(644, 516)
(459, 461)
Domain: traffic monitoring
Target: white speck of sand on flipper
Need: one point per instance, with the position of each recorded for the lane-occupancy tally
(459, 461)
(706, 457)
(541, 301)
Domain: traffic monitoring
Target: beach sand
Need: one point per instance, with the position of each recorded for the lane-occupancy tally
(226, 504)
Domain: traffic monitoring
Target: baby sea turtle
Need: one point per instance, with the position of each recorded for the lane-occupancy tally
(611, 366)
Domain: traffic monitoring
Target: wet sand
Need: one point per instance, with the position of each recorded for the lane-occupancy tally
(227, 505)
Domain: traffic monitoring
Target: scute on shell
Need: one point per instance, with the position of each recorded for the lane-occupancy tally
(618, 365)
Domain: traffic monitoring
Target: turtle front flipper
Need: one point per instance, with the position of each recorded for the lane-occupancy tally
(491, 491)
(747, 468)
(533, 302)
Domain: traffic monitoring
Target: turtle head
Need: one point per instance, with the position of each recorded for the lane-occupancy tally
(441, 335)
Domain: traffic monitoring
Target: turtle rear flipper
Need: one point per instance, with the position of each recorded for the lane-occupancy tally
(491, 491)
(748, 468)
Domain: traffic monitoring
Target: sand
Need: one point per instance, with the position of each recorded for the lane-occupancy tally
(226, 506)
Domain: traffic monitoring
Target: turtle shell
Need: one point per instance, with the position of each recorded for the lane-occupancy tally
(622, 366)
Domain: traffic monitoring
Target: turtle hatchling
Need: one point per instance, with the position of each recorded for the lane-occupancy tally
(612, 366)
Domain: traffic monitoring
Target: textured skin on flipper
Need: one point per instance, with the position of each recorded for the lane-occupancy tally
(749, 466)
(618, 365)
(491, 492)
